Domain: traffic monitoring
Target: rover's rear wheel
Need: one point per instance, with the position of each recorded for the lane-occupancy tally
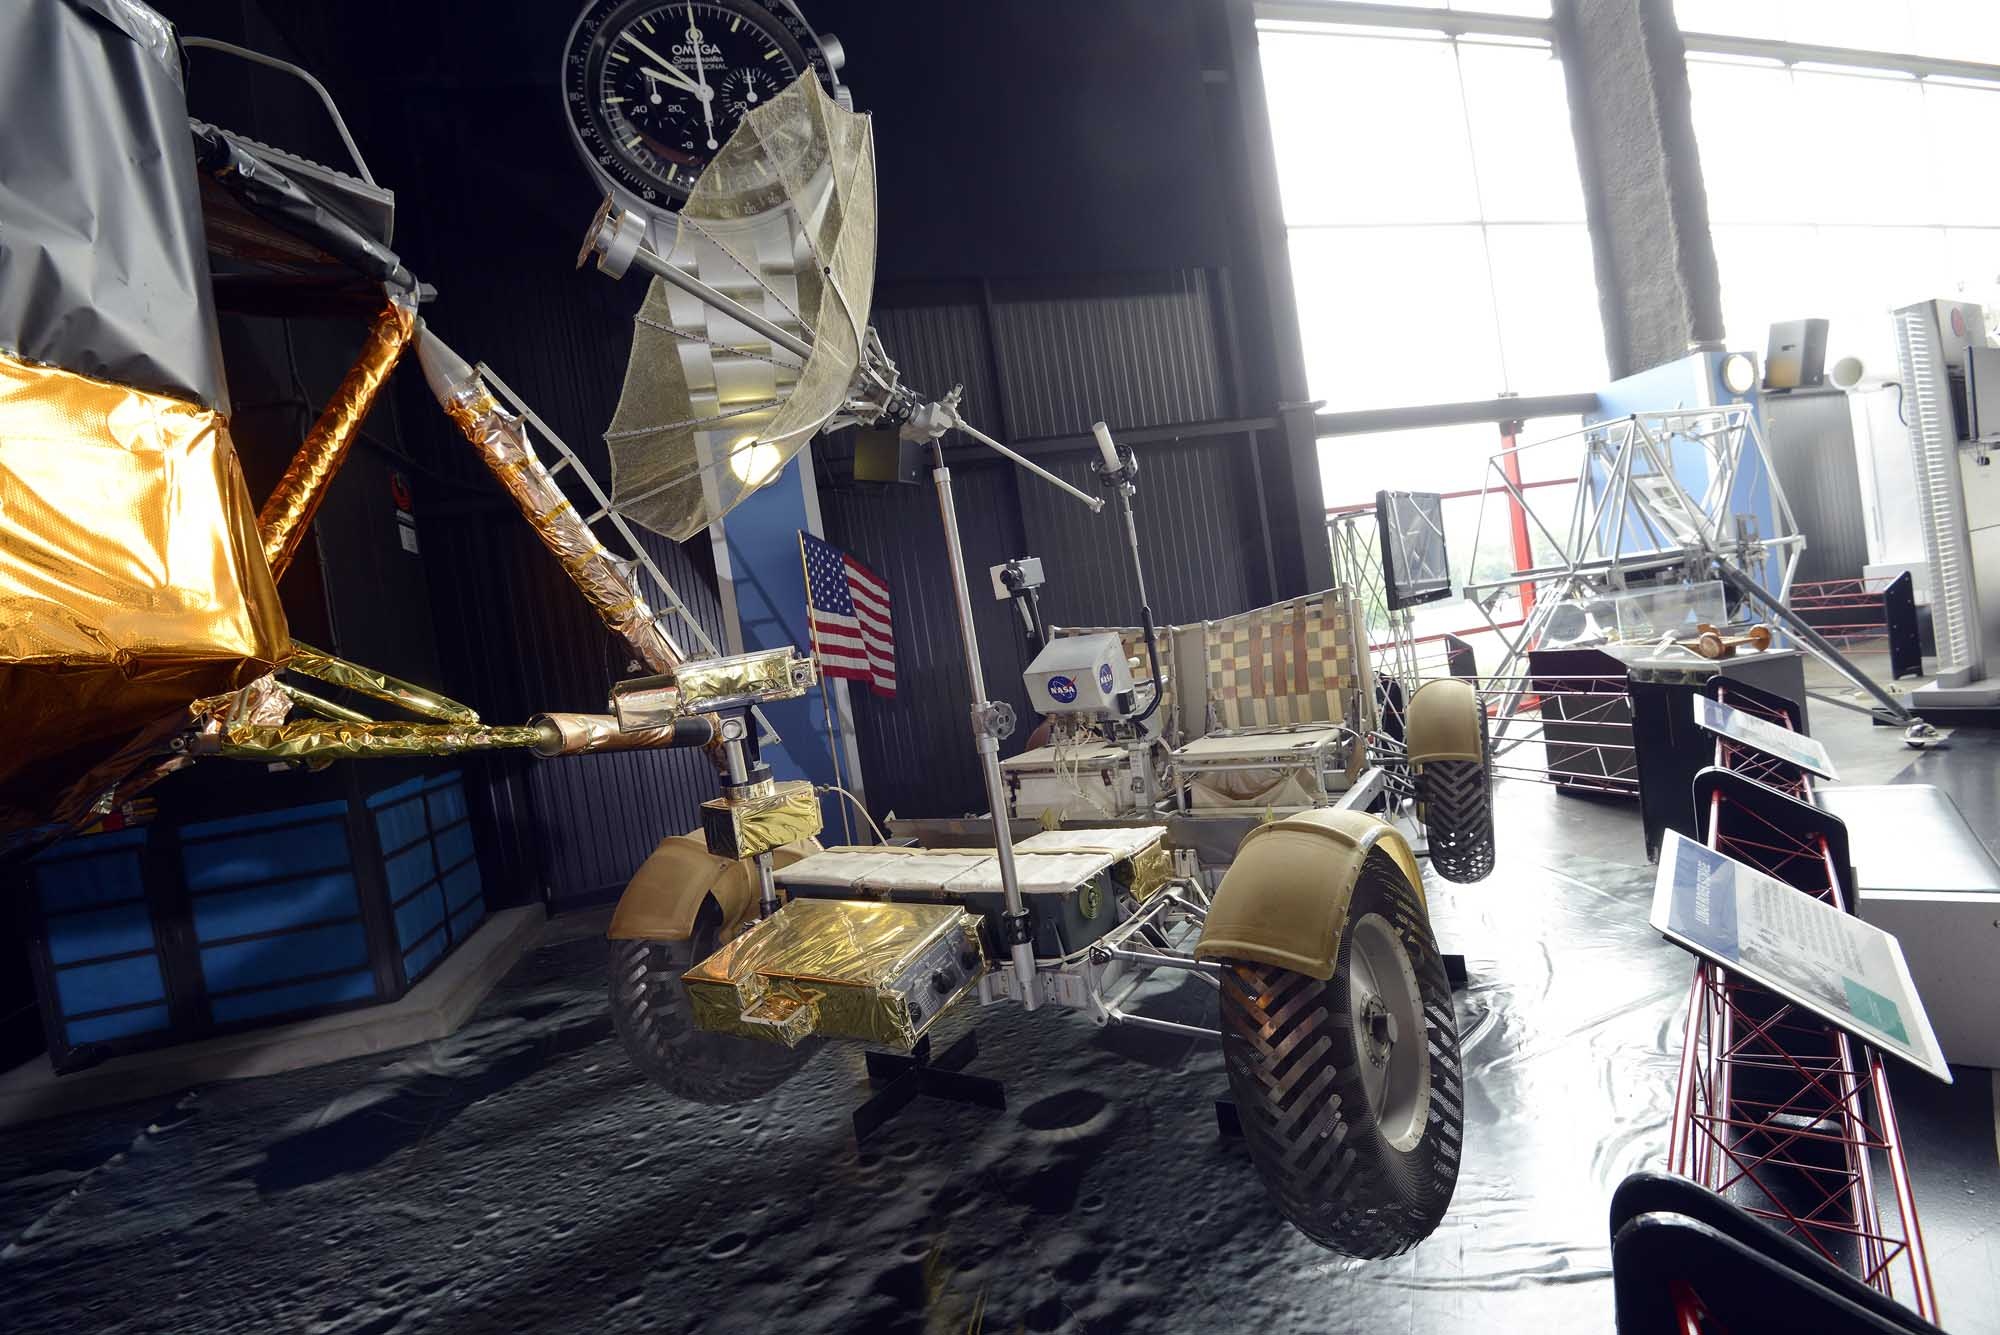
(1456, 797)
(1349, 1089)
(650, 1011)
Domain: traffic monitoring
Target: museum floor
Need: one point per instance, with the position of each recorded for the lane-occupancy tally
(521, 1176)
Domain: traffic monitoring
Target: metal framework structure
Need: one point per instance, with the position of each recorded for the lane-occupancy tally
(1776, 1109)
(1955, 611)
(1635, 514)
(1471, 23)
(640, 559)
(1407, 660)
(1399, 666)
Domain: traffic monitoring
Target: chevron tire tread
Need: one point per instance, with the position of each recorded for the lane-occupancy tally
(1294, 1072)
(1457, 800)
(650, 1012)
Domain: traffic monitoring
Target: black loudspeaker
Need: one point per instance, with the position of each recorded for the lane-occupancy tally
(1796, 357)
(882, 455)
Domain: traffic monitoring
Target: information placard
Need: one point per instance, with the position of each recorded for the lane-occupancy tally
(1848, 972)
(1767, 737)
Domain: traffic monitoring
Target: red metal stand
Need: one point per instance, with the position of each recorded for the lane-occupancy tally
(1777, 1110)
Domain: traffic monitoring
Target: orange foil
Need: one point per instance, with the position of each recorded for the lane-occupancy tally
(501, 439)
(288, 512)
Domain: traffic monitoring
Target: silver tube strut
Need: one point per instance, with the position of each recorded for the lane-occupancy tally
(986, 720)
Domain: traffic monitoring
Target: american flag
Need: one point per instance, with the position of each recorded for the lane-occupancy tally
(849, 604)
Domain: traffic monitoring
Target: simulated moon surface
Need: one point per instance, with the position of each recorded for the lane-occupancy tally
(522, 1175)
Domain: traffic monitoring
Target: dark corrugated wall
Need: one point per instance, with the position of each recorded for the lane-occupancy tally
(1137, 351)
(1811, 439)
(492, 207)
(1132, 351)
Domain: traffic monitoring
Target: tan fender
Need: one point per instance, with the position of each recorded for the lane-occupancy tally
(666, 893)
(1284, 899)
(1443, 722)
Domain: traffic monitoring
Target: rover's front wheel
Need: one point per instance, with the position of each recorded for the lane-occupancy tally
(650, 1011)
(1348, 1089)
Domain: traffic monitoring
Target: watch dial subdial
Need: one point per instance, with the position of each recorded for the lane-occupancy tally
(744, 90)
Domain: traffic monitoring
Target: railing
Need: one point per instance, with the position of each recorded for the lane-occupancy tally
(1846, 611)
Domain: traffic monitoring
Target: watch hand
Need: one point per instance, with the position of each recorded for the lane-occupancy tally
(669, 73)
(707, 98)
(674, 77)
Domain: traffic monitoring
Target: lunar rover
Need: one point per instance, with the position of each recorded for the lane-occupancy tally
(737, 950)
(1333, 1006)
(1236, 818)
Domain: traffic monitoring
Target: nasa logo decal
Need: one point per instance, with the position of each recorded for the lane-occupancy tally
(1062, 690)
(1104, 677)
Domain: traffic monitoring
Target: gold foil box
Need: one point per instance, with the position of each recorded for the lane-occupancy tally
(859, 969)
(746, 827)
(767, 674)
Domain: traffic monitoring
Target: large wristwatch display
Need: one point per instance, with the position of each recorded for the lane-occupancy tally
(653, 91)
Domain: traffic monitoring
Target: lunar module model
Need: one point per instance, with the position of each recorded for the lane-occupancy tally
(140, 630)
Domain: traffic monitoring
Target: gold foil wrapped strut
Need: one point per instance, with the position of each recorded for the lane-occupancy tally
(321, 706)
(502, 441)
(584, 734)
(334, 739)
(288, 511)
(323, 666)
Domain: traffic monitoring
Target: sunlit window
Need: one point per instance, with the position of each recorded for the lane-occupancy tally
(1948, 29)
(1434, 215)
(1439, 251)
(1841, 192)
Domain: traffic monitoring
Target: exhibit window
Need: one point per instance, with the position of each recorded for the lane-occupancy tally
(1840, 190)
(1440, 256)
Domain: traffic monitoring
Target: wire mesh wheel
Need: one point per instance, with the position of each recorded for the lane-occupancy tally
(650, 1011)
(1456, 797)
(1349, 1089)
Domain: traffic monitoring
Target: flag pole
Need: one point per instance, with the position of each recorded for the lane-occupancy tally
(825, 703)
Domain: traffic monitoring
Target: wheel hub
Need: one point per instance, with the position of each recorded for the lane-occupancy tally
(1386, 1012)
(1380, 1022)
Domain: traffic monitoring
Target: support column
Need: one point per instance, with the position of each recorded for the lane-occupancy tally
(762, 584)
(1272, 378)
(1626, 67)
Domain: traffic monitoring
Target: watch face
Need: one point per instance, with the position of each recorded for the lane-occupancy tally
(653, 89)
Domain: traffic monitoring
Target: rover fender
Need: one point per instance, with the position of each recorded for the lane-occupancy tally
(666, 893)
(1284, 900)
(1443, 723)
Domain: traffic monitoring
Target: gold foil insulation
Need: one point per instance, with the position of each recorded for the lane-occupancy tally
(748, 826)
(334, 739)
(766, 674)
(132, 579)
(646, 702)
(323, 666)
(834, 967)
(582, 734)
(288, 511)
(314, 704)
(501, 439)
(1146, 871)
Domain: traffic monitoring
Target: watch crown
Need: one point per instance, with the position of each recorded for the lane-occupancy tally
(836, 54)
